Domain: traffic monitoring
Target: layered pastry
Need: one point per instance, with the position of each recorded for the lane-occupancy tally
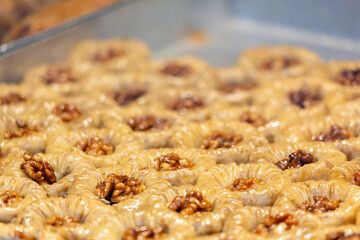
(110, 144)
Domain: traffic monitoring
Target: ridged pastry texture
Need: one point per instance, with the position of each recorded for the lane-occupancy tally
(110, 144)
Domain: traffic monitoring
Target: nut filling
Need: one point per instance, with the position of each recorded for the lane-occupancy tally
(243, 184)
(124, 98)
(148, 122)
(220, 140)
(143, 233)
(356, 178)
(21, 235)
(115, 188)
(176, 70)
(349, 77)
(22, 130)
(343, 236)
(12, 98)
(190, 204)
(62, 221)
(184, 104)
(58, 75)
(296, 159)
(335, 133)
(321, 204)
(67, 112)
(304, 98)
(107, 55)
(280, 63)
(8, 198)
(269, 222)
(254, 119)
(172, 162)
(96, 146)
(38, 170)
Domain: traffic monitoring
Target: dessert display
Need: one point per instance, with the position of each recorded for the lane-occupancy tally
(111, 144)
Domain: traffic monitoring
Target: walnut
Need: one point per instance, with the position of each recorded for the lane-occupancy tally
(177, 70)
(172, 162)
(343, 236)
(38, 170)
(269, 222)
(356, 178)
(296, 159)
(95, 147)
(254, 119)
(116, 188)
(147, 122)
(12, 98)
(243, 184)
(220, 140)
(304, 98)
(280, 63)
(143, 233)
(21, 235)
(189, 204)
(233, 87)
(349, 77)
(67, 112)
(321, 204)
(62, 221)
(184, 104)
(22, 130)
(8, 198)
(335, 133)
(58, 75)
(104, 56)
(124, 98)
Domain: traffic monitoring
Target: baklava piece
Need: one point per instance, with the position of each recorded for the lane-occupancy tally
(254, 184)
(300, 161)
(111, 55)
(121, 187)
(272, 63)
(177, 166)
(54, 172)
(333, 203)
(227, 141)
(15, 194)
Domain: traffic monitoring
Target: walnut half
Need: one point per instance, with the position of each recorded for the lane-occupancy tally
(38, 170)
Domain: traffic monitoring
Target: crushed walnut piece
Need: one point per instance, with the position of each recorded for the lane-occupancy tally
(12, 98)
(8, 198)
(356, 178)
(62, 221)
(296, 159)
(321, 204)
(147, 122)
(335, 133)
(177, 70)
(124, 98)
(342, 236)
(58, 75)
(184, 104)
(233, 87)
(96, 146)
(67, 112)
(104, 56)
(115, 188)
(38, 170)
(220, 140)
(269, 222)
(243, 184)
(280, 63)
(254, 119)
(143, 233)
(190, 204)
(172, 162)
(304, 98)
(22, 130)
(349, 77)
(22, 236)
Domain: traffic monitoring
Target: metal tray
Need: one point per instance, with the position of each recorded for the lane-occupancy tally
(329, 27)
